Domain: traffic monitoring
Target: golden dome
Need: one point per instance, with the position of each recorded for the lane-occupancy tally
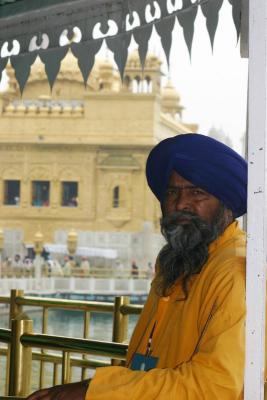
(133, 60)
(170, 100)
(68, 70)
(105, 67)
(106, 74)
(12, 82)
(134, 56)
(10, 72)
(152, 61)
(169, 92)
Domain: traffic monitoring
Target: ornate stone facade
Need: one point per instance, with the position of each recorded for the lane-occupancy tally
(76, 158)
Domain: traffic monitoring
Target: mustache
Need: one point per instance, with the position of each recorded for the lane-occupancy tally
(179, 222)
(171, 221)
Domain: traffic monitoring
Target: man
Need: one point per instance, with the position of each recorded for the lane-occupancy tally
(189, 341)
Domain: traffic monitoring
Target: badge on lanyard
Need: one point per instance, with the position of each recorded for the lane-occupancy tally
(141, 362)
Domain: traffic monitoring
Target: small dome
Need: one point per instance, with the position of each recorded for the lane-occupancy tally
(152, 57)
(170, 93)
(170, 100)
(106, 75)
(13, 86)
(105, 68)
(10, 73)
(68, 70)
(134, 56)
(152, 61)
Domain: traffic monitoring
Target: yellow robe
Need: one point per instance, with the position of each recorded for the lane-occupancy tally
(199, 342)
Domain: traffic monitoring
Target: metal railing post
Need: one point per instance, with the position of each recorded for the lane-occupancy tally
(15, 309)
(44, 330)
(120, 322)
(20, 358)
(55, 374)
(86, 326)
(65, 367)
(124, 320)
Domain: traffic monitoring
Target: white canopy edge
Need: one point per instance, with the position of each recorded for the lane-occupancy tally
(81, 251)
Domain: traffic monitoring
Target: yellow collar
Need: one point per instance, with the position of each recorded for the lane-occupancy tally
(228, 233)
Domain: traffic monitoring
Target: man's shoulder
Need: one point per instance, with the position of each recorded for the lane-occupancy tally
(225, 272)
(233, 247)
(229, 259)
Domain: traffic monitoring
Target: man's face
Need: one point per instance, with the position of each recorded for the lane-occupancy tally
(192, 219)
(182, 195)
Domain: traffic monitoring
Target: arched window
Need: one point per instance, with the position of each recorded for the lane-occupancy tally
(144, 86)
(148, 84)
(116, 197)
(136, 85)
(127, 81)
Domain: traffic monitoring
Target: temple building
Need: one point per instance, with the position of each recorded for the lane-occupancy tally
(75, 158)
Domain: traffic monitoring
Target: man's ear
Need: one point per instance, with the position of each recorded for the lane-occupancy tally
(229, 216)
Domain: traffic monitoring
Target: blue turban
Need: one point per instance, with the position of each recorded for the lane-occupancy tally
(203, 161)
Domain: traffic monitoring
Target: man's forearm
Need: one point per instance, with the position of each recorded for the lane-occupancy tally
(73, 391)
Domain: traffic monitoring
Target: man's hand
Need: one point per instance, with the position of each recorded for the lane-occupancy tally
(70, 391)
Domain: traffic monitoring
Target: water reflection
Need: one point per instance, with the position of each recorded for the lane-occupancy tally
(70, 323)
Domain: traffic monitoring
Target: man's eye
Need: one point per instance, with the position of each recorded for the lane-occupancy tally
(198, 192)
(171, 192)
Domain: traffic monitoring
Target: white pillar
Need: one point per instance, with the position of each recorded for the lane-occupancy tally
(256, 226)
(38, 267)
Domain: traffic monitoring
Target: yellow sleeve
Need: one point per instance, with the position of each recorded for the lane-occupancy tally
(215, 371)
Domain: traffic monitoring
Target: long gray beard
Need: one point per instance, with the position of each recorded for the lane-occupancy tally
(186, 250)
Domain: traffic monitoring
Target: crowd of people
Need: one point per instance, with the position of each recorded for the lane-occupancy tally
(69, 266)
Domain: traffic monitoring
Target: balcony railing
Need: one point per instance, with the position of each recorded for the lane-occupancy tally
(93, 272)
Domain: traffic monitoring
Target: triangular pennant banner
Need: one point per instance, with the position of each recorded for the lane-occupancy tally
(119, 46)
(142, 36)
(164, 29)
(52, 60)
(119, 43)
(236, 12)
(211, 12)
(22, 66)
(85, 53)
(186, 19)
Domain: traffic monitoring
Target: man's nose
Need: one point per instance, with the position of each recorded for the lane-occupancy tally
(183, 202)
